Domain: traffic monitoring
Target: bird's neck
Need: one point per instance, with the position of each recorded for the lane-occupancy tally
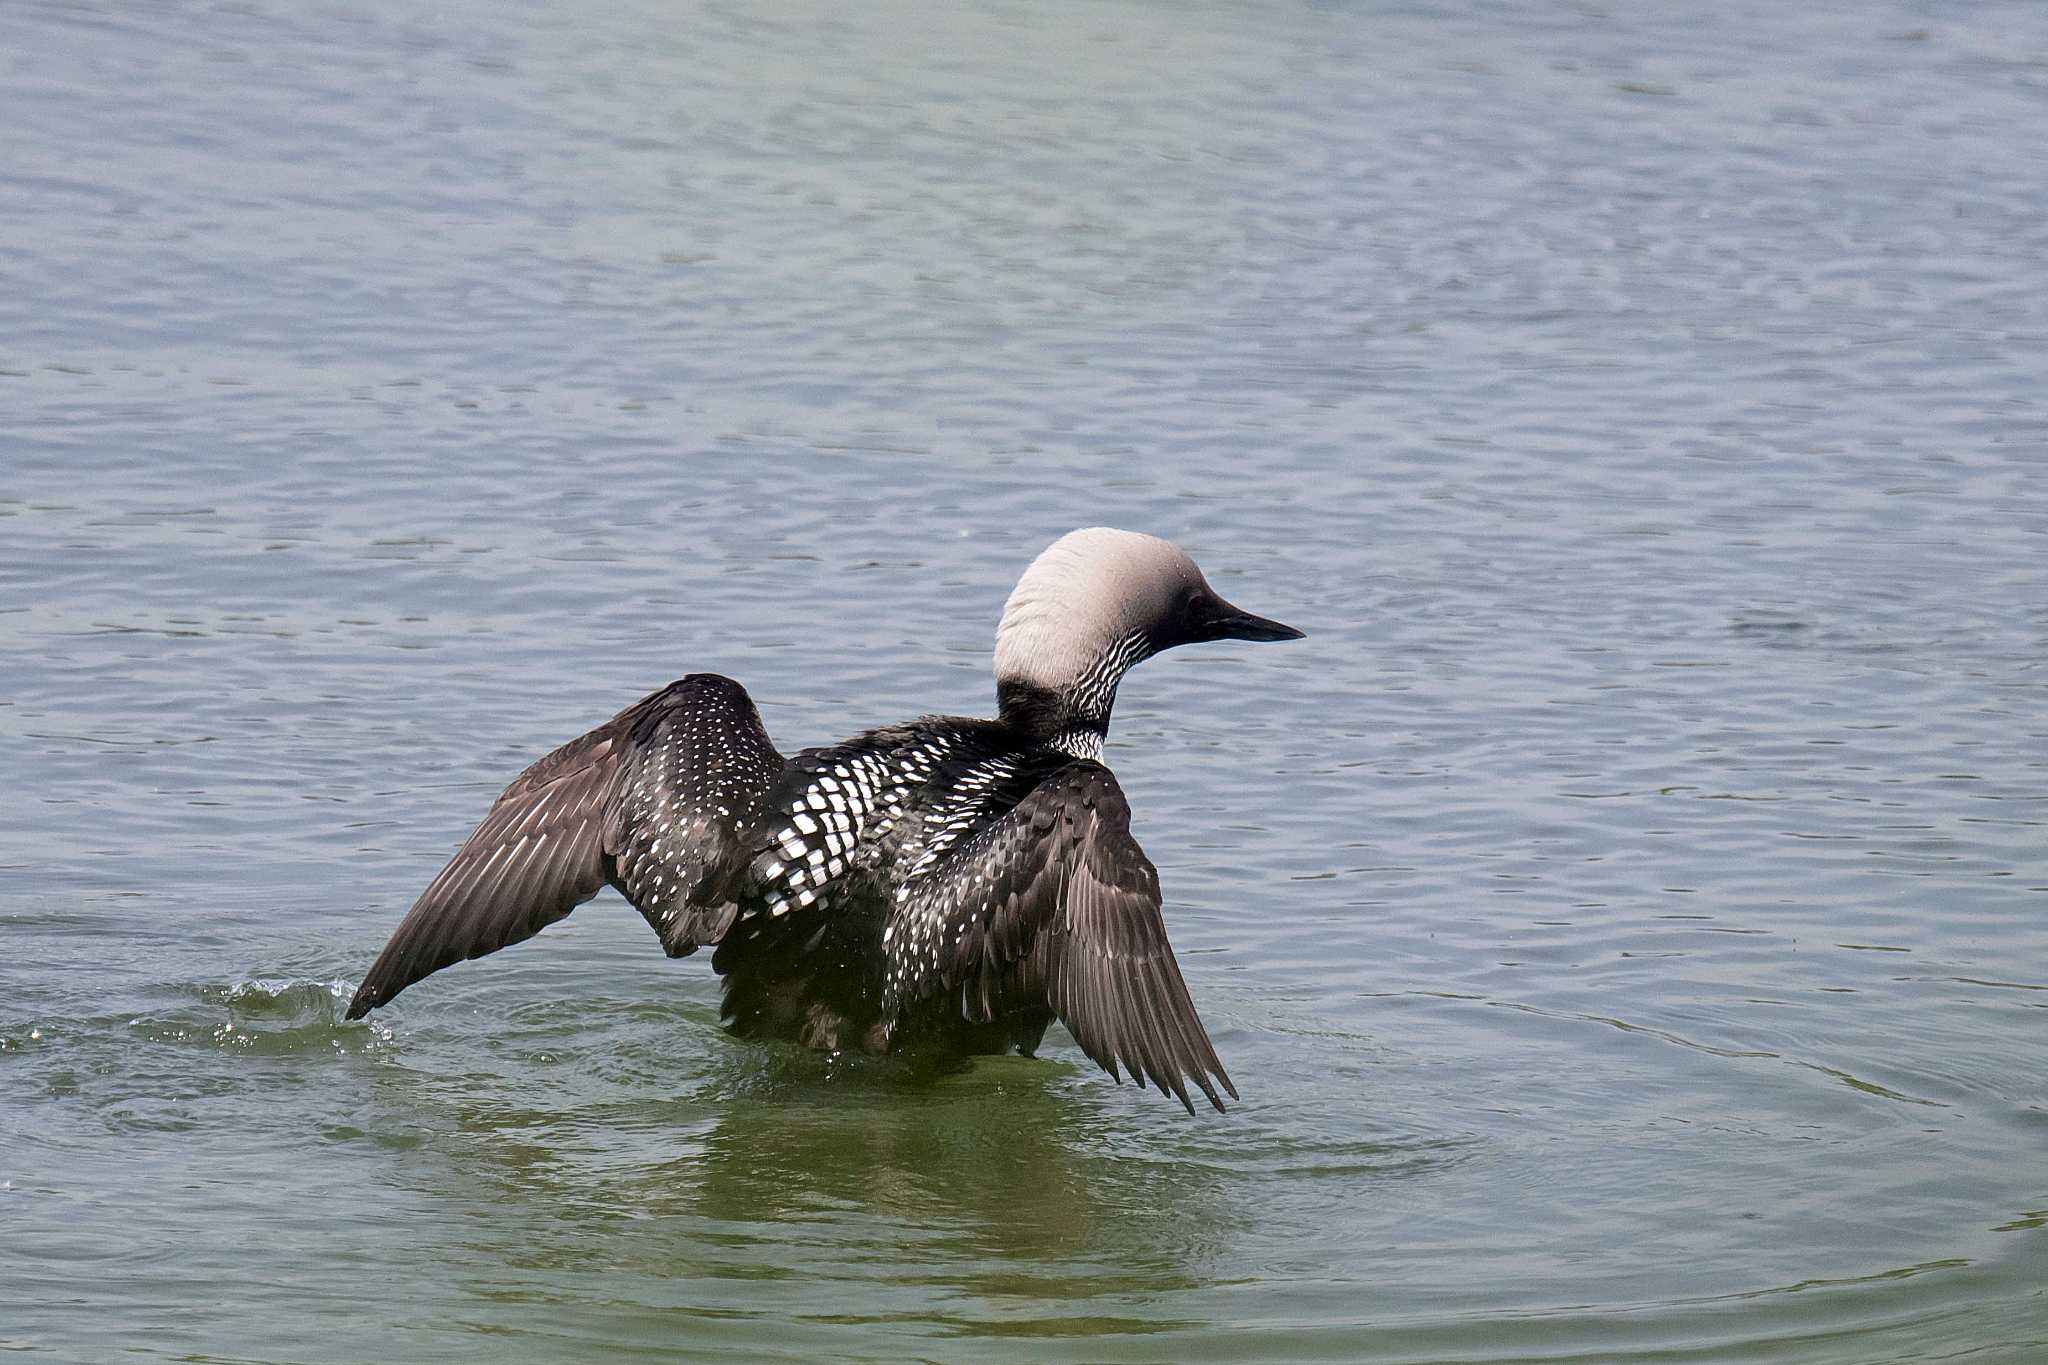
(1042, 718)
(1073, 718)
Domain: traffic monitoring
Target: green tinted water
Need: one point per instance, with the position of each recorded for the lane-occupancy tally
(1622, 915)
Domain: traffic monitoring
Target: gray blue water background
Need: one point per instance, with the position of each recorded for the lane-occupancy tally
(1623, 915)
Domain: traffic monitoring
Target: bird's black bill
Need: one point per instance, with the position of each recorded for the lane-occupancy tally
(1245, 626)
(1229, 623)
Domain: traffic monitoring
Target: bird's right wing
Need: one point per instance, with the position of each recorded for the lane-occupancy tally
(652, 801)
(1053, 905)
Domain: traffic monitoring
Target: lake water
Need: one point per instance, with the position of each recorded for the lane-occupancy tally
(1623, 915)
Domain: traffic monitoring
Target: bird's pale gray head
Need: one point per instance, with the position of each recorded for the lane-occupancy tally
(1099, 594)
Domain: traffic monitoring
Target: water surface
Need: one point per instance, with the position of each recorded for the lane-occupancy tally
(1622, 914)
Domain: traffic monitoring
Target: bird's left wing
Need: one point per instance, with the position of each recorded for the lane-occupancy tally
(1053, 905)
(651, 801)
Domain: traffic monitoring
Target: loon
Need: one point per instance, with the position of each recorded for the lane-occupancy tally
(940, 888)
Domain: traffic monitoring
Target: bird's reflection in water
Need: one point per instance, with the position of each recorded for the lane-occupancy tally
(1003, 1154)
(1009, 1180)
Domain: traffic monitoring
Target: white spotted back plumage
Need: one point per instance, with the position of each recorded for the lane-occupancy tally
(834, 805)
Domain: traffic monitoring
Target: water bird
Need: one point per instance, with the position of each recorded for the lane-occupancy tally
(940, 888)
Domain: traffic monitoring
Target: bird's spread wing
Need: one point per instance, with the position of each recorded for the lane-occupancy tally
(1053, 905)
(651, 801)
(696, 772)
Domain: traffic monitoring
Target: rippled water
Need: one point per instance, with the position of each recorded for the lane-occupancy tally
(1623, 915)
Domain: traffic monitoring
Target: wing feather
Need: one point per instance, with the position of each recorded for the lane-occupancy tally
(1069, 919)
(650, 801)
